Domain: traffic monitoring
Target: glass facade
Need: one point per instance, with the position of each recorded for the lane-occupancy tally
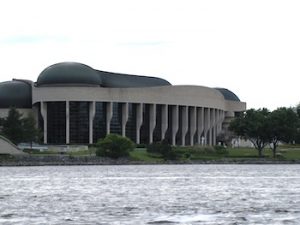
(168, 135)
(157, 130)
(145, 126)
(79, 122)
(131, 122)
(99, 123)
(56, 122)
(179, 132)
(116, 120)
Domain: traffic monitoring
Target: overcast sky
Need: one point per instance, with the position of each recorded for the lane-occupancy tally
(250, 47)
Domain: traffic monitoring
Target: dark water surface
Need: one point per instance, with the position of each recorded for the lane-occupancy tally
(154, 194)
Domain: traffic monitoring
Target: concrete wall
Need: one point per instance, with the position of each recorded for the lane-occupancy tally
(172, 95)
(7, 148)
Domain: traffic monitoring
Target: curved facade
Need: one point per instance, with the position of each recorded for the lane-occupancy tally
(74, 103)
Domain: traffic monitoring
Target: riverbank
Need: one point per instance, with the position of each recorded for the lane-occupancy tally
(65, 160)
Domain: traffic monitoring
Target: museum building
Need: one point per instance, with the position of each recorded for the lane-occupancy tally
(76, 104)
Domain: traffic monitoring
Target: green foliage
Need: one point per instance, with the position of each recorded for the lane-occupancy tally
(262, 127)
(114, 146)
(140, 154)
(18, 129)
(31, 133)
(140, 146)
(200, 152)
(283, 123)
(253, 125)
(288, 152)
(31, 151)
(12, 126)
(2, 121)
(221, 150)
(163, 148)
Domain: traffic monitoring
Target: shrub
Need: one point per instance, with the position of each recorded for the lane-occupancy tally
(163, 148)
(221, 150)
(140, 146)
(114, 146)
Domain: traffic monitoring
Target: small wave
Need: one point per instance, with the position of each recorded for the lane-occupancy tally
(161, 222)
(9, 215)
(184, 219)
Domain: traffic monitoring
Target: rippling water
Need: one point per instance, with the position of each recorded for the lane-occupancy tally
(157, 194)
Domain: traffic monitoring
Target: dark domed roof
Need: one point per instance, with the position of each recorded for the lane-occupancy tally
(228, 95)
(68, 73)
(118, 80)
(15, 94)
(71, 73)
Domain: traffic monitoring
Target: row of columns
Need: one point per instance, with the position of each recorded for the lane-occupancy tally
(205, 122)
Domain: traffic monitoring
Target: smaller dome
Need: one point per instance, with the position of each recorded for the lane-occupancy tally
(228, 95)
(15, 94)
(67, 73)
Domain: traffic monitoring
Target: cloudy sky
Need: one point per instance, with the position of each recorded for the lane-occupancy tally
(250, 47)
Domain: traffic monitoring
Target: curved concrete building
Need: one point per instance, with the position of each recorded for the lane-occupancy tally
(76, 104)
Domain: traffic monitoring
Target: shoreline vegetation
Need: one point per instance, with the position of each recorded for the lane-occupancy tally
(287, 154)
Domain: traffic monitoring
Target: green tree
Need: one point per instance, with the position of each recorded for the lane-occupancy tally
(12, 126)
(18, 129)
(114, 146)
(297, 138)
(163, 148)
(298, 110)
(253, 126)
(283, 123)
(31, 133)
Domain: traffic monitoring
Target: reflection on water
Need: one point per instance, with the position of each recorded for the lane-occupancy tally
(157, 194)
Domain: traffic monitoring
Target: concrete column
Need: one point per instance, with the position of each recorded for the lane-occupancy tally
(44, 115)
(184, 124)
(139, 121)
(206, 125)
(92, 112)
(213, 126)
(152, 121)
(124, 118)
(193, 122)
(175, 126)
(218, 121)
(164, 121)
(221, 120)
(67, 122)
(109, 114)
(200, 124)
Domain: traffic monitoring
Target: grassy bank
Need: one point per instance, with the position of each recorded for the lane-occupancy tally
(286, 154)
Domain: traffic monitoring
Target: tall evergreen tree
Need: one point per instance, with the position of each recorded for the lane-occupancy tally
(12, 126)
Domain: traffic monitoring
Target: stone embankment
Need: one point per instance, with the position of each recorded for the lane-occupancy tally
(32, 160)
(62, 160)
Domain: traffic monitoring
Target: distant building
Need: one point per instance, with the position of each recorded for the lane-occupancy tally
(76, 104)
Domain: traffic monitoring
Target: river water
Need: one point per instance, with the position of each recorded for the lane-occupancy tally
(150, 194)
